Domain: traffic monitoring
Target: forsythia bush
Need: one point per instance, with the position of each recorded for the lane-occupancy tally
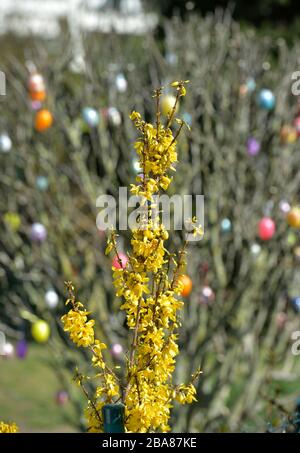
(150, 287)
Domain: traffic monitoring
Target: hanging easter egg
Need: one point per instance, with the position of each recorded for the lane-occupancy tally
(266, 66)
(226, 225)
(43, 120)
(21, 349)
(120, 261)
(62, 397)
(37, 96)
(5, 143)
(36, 105)
(297, 253)
(187, 117)
(42, 183)
(171, 58)
(36, 87)
(255, 249)
(136, 165)
(13, 220)
(90, 116)
(243, 90)
(114, 116)
(207, 295)
(186, 283)
(281, 319)
(297, 125)
(266, 228)
(253, 146)
(250, 84)
(288, 134)
(291, 239)
(51, 298)
(167, 104)
(266, 99)
(284, 207)
(116, 350)
(36, 82)
(293, 217)
(8, 350)
(295, 301)
(40, 331)
(38, 232)
(121, 83)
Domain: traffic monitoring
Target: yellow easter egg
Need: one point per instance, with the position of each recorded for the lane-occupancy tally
(167, 104)
(40, 331)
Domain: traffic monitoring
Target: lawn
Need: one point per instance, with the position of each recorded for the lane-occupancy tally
(28, 394)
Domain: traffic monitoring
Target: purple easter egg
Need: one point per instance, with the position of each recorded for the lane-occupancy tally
(62, 397)
(38, 232)
(116, 349)
(36, 105)
(253, 146)
(21, 349)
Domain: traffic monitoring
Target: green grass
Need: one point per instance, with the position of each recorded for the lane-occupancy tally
(27, 394)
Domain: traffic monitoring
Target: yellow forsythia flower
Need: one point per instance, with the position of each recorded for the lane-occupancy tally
(81, 330)
(8, 428)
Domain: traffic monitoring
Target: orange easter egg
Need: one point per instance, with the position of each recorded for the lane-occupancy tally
(37, 95)
(43, 120)
(288, 134)
(187, 283)
(293, 217)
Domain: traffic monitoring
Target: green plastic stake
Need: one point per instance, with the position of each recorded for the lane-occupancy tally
(113, 418)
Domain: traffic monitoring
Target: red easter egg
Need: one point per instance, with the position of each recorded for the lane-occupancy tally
(297, 125)
(116, 261)
(266, 228)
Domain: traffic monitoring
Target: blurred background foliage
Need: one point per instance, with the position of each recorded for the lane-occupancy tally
(276, 18)
(240, 315)
(256, 12)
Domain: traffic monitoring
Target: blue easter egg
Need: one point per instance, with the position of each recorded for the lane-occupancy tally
(250, 84)
(266, 99)
(296, 303)
(42, 183)
(225, 225)
(90, 116)
(187, 117)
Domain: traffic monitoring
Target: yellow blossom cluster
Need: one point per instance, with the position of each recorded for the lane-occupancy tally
(82, 333)
(81, 330)
(8, 428)
(150, 287)
(150, 295)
